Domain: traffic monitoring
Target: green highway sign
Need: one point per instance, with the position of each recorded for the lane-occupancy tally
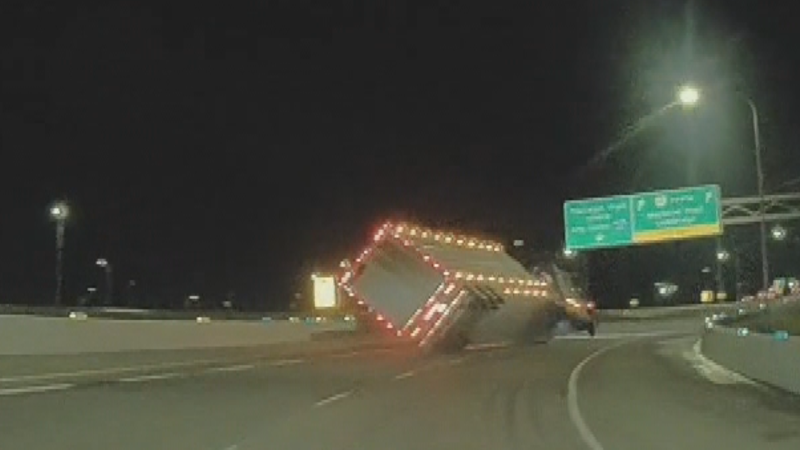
(677, 214)
(599, 222)
(643, 218)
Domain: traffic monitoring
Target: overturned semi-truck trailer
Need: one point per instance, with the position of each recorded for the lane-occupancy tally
(443, 290)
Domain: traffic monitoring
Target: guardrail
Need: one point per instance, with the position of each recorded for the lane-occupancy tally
(153, 314)
(662, 312)
(745, 343)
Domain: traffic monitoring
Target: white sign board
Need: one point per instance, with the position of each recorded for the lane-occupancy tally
(324, 292)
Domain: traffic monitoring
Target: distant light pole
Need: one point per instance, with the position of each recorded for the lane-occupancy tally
(106, 266)
(722, 258)
(59, 212)
(689, 96)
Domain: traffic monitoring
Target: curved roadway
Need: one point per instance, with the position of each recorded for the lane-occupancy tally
(636, 386)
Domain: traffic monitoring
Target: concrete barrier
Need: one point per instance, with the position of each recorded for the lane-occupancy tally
(25, 335)
(749, 343)
(143, 314)
(760, 357)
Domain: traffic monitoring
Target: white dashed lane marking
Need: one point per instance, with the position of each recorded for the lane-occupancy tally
(333, 398)
(152, 377)
(286, 362)
(35, 389)
(237, 368)
(403, 375)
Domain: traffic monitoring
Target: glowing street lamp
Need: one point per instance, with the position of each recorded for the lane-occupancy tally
(688, 95)
(59, 211)
(778, 233)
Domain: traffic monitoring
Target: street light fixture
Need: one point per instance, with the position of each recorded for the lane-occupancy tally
(723, 255)
(569, 253)
(59, 212)
(688, 95)
(779, 233)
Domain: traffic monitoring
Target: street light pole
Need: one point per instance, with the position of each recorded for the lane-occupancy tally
(762, 205)
(59, 260)
(106, 266)
(689, 96)
(59, 212)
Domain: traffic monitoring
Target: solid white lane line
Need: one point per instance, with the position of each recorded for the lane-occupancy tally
(286, 362)
(153, 377)
(345, 355)
(714, 372)
(572, 399)
(487, 346)
(35, 389)
(333, 398)
(237, 368)
(380, 351)
(107, 371)
(404, 375)
(584, 337)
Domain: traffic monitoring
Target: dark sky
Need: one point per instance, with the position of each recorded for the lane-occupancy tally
(207, 147)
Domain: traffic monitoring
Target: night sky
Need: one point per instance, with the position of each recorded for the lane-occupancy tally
(208, 147)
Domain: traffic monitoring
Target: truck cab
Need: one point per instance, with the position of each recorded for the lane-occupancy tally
(575, 305)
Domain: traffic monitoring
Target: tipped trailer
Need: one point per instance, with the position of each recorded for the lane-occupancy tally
(443, 290)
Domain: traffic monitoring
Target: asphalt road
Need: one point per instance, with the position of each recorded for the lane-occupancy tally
(634, 386)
